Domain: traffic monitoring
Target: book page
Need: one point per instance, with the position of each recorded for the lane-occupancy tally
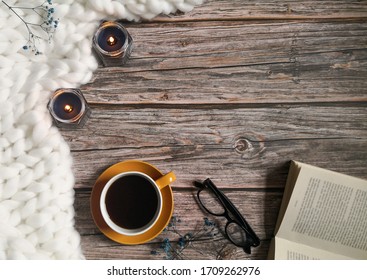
(288, 190)
(288, 250)
(328, 211)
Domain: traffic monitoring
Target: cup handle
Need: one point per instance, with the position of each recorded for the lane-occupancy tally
(165, 180)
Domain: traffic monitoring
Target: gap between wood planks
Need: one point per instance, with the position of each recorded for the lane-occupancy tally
(259, 19)
(219, 106)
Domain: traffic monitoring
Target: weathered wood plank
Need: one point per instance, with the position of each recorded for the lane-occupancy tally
(268, 9)
(237, 62)
(241, 147)
(240, 37)
(259, 208)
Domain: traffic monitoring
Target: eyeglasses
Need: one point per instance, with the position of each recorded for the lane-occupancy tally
(216, 203)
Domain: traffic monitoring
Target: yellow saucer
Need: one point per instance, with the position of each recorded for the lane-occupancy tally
(125, 166)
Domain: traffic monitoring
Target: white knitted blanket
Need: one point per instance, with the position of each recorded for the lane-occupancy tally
(36, 181)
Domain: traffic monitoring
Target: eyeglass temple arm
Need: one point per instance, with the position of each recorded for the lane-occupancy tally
(234, 211)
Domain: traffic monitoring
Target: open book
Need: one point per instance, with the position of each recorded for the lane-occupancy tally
(323, 215)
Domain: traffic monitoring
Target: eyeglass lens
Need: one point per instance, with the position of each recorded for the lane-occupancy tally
(236, 234)
(211, 202)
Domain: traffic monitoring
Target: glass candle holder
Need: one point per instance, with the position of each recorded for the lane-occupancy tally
(112, 43)
(69, 108)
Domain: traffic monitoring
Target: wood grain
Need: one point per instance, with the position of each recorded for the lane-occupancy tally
(273, 9)
(245, 63)
(232, 90)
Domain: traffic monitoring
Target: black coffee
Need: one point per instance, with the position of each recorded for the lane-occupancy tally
(131, 201)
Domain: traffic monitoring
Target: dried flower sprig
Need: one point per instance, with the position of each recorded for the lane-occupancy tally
(36, 30)
(174, 249)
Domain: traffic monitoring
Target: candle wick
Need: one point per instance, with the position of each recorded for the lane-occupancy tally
(111, 40)
(68, 108)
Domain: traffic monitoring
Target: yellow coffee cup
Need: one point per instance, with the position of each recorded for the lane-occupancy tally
(131, 202)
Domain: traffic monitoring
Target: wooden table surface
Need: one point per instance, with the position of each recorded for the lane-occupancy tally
(233, 91)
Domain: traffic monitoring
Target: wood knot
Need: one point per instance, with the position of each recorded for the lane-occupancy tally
(184, 43)
(249, 147)
(241, 145)
(164, 96)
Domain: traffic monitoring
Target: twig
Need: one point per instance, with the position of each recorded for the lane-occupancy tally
(48, 25)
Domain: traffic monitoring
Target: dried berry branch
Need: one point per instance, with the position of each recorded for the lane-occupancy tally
(36, 30)
(175, 249)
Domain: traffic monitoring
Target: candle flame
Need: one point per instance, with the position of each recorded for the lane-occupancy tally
(111, 40)
(68, 108)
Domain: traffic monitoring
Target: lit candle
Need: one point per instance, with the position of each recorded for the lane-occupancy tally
(68, 108)
(112, 43)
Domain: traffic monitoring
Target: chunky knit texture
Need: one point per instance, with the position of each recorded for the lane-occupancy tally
(36, 176)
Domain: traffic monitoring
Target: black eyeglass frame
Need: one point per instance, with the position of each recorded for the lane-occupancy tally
(252, 240)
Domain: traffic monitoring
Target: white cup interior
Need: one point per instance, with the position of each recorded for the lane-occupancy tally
(106, 216)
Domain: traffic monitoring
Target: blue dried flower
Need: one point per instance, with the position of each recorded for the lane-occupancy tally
(166, 246)
(208, 223)
(181, 242)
